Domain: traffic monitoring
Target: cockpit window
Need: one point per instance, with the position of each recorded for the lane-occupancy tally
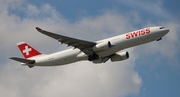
(161, 27)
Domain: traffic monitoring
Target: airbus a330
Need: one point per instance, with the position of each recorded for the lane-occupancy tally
(96, 52)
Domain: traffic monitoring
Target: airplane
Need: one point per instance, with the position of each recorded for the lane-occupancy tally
(96, 52)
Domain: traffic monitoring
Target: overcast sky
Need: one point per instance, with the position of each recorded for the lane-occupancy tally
(153, 69)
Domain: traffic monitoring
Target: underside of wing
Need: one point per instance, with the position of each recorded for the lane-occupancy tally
(85, 46)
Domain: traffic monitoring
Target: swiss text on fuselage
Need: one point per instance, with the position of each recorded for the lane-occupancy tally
(138, 33)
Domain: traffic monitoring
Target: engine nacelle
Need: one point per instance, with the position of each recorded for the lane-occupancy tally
(102, 46)
(120, 56)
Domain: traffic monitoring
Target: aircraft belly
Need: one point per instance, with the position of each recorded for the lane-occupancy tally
(59, 59)
(67, 58)
(136, 41)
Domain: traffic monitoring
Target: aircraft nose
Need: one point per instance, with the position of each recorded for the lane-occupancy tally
(166, 30)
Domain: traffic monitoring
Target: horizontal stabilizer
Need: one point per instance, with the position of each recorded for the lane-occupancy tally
(23, 60)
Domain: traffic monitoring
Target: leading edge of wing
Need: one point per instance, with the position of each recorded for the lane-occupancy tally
(83, 45)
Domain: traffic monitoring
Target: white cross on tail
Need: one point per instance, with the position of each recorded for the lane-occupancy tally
(27, 50)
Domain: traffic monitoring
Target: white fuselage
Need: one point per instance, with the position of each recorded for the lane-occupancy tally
(118, 43)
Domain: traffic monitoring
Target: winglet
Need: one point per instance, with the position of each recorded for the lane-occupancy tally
(38, 29)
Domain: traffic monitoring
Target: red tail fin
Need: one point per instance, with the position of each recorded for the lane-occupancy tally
(27, 50)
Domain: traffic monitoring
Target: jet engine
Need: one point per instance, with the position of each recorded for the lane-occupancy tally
(120, 56)
(102, 46)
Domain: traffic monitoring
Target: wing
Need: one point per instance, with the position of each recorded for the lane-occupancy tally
(85, 46)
